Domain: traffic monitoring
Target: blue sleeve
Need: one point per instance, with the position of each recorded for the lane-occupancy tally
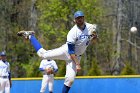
(71, 48)
(9, 76)
(55, 70)
(41, 69)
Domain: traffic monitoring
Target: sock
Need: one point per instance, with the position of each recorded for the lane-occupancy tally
(65, 89)
(36, 44)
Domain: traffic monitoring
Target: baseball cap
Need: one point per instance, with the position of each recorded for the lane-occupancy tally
(3, 54)
(78, 14)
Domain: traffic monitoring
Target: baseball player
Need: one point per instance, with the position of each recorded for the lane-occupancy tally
(78, 39)
(49, 68)
(5, 76)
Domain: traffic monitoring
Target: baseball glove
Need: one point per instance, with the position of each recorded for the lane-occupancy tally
(49, 70)
(92, 28)
(92, 31)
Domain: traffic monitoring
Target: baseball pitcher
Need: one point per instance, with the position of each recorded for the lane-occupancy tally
(78, 39)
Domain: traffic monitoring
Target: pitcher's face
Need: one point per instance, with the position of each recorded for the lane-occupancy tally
(79, 20)
(3, 58)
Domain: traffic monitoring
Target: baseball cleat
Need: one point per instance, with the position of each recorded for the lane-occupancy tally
(25, 33)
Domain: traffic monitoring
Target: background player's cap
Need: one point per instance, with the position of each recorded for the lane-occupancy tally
(78, 14)
(2, 53)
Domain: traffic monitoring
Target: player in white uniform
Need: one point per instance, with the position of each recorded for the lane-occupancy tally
(48, 79)
(78, 39)
(5, 76)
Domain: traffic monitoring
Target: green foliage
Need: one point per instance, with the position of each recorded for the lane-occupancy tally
(52, 21)
(17, 69)
(94, 70)
(128, 70)
(61, 68)
(32, 68)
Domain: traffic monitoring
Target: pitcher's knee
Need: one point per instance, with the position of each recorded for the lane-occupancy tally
(69, 81)
(41, 52)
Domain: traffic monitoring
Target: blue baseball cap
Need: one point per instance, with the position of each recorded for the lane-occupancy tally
(78, 14)
(3, 54)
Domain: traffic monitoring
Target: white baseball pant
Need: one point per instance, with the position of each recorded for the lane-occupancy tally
(61, 53)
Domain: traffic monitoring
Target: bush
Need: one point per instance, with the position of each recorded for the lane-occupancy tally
(128, 70)
(94, 70)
